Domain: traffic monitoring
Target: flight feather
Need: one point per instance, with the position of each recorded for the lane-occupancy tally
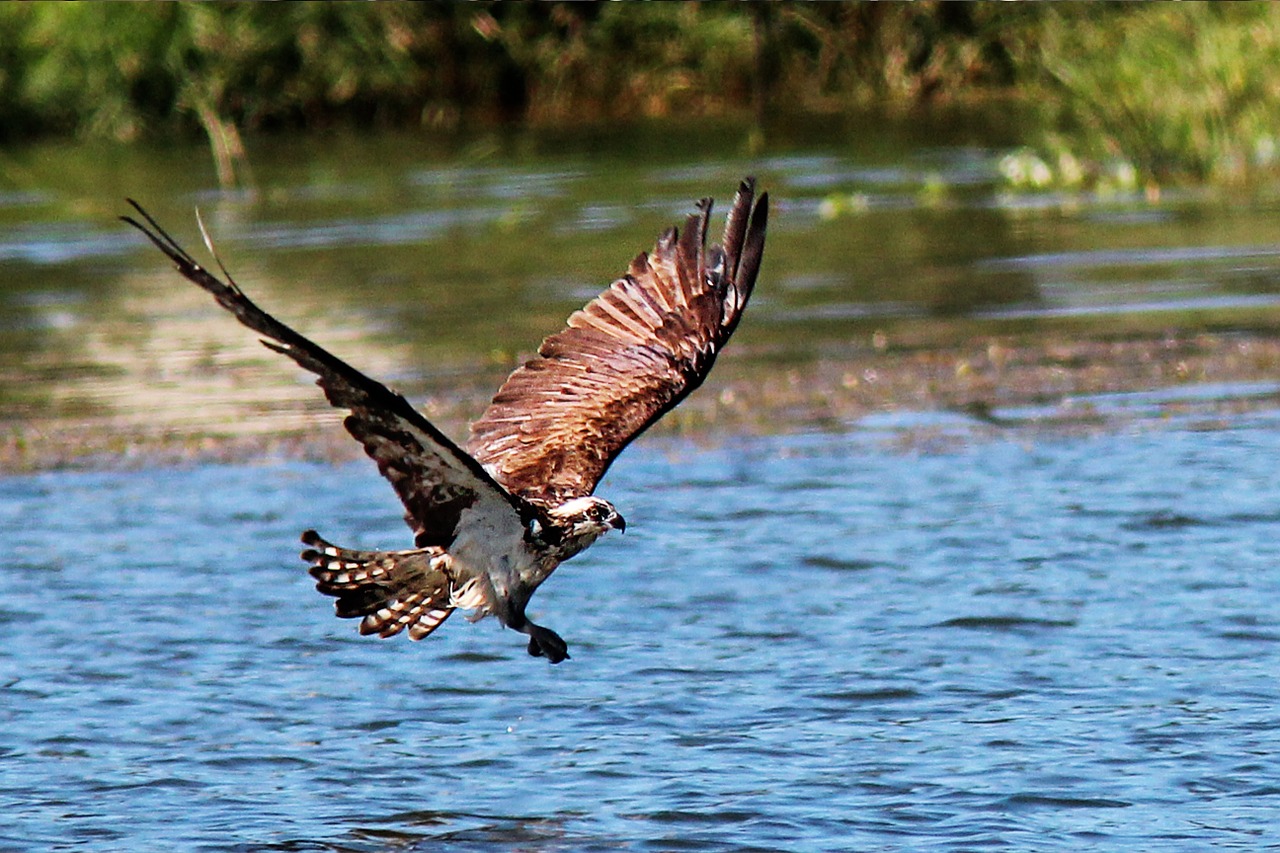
(628, 357)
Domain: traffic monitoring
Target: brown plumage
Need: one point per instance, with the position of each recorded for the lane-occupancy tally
(492, 522)
(628, 357)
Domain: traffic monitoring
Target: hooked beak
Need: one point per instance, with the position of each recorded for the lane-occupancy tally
(619, 523)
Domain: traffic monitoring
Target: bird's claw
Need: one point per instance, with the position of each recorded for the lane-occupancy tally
(543, 642)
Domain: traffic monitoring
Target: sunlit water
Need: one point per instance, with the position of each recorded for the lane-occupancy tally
(428, 262)
(916, 630)
(804, 643)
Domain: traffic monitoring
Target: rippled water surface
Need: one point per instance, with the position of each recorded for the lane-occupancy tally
(814, 642)
(436, 263)
(883, 626)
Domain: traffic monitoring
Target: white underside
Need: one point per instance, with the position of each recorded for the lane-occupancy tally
(491, 555)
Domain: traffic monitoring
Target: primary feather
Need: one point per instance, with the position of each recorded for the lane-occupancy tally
(628, 357)
(493, 521)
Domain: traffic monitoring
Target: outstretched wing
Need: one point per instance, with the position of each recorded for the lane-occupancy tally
(628, 357)
(435, 479)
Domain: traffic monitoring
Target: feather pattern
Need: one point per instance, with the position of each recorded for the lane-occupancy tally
(492, 522)
(628, 357)
(388, 591)
(435, 479)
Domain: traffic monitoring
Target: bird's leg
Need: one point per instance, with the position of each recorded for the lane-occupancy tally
(543, 642)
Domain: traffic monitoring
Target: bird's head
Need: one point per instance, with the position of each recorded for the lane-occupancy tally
(583, 520)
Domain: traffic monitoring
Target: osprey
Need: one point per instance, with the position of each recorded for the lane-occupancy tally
(492, 519)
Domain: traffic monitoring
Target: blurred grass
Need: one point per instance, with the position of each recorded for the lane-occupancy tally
(1182, 92)
(1172, 92)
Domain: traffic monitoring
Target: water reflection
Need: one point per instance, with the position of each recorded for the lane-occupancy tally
(437, 266)
(920, 619)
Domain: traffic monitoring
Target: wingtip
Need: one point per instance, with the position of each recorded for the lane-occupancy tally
(762, 211)
(744, 246)
(139, 209)
(740, 219)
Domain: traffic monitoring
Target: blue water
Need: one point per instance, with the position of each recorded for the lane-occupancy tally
(915, 632)
(815, 642)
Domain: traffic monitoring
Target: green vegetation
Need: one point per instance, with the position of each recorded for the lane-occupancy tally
(1182, 91)
(1166, 91)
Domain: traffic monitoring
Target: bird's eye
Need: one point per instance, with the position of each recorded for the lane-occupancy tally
(597, 513)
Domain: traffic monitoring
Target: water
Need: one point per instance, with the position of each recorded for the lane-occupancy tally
(437, 264)
(811, 642)
(848, 613)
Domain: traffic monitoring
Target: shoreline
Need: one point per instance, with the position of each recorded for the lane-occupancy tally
(1030, 385)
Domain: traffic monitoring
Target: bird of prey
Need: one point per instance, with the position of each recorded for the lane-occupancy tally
(493, 518)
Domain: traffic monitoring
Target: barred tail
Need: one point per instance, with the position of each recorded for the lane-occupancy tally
(391, 590)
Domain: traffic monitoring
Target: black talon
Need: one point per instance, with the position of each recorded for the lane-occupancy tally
(543, 642)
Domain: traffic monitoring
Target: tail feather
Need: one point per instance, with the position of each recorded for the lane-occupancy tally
(388, 590)
(414, 611)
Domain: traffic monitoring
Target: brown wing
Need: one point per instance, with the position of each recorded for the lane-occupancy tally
(627, 358)
(434, 478)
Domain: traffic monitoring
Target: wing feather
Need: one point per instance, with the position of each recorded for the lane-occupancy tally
(623, 360)
(435, 479)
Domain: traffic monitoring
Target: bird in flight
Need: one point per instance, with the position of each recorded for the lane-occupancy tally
(494, 517)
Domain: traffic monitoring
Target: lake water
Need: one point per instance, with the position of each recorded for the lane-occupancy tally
(801, 643)
(906, 630)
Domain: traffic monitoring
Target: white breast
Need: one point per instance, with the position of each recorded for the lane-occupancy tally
(490, 547)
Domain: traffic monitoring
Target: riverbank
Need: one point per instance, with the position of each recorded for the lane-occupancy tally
(992, 386)
(1169, 93)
